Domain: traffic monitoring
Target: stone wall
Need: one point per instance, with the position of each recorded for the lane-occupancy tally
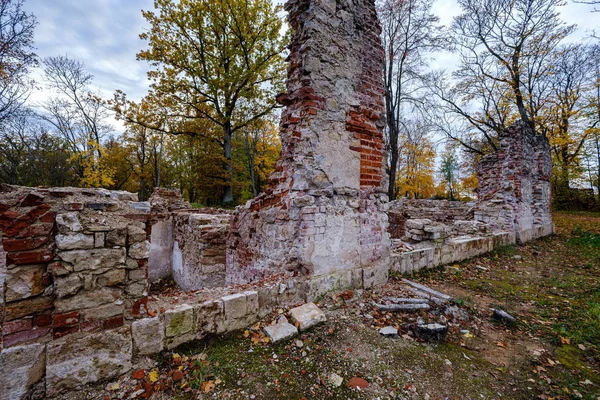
(436, 211)
(324, 209)
(199, 247)
(514, 185)
(188, 245)
(75, 265)
(513, 207)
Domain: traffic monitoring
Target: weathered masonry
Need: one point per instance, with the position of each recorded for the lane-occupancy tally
(324, 210)
(77, 265)
(513, 207)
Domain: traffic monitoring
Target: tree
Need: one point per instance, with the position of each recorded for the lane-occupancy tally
(16, 56)
(261, 150)
(30, 156)
(505, 49)
(449, 171)
(79, 116)
(416, 164)
(409, 31)
(563, 120)
(218, 60)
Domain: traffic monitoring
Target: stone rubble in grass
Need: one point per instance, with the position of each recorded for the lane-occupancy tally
(280, 331)
(307, 316)
(388, 331)
(503, 316)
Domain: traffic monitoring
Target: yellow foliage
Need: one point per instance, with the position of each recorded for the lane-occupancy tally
(96, 172)
(416, 169)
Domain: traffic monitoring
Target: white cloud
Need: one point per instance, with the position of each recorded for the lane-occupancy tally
(104, 34)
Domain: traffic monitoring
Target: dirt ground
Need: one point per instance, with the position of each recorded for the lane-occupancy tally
(552, 287)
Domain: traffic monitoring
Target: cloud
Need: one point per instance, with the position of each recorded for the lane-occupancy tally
(104, 34)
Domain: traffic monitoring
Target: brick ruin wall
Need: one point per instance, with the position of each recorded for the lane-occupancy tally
(513, 206)
(514, 185)
(75, 307)
(324, 210)
(75, 264)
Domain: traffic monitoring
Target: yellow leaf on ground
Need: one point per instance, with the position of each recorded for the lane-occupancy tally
(153, 376)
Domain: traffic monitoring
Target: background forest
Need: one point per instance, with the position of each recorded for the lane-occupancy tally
(208, 123)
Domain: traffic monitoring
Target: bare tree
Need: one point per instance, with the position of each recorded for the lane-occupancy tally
(76, 113)
(409, 31)
(564, 120)
(505, 49)
(16, 56)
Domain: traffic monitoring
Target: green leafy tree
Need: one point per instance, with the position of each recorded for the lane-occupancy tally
(217, 60)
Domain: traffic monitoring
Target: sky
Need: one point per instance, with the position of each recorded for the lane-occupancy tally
(104, 35)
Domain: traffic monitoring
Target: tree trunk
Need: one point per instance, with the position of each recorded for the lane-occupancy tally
(228, 188)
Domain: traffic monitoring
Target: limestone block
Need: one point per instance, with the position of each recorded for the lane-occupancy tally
(148, 336)
(94, 259)
(234, 306)
(102, 312)
(140, 250)
(209, 317)
(87, 299)
(321, 285)
(136, 289)
(77, 360)
(68, 222)
(112, 277)
(375, 276)
(179, 321)
(307, 316)
(68, 285)
(99, 239)
(74, 241)
(267, 299)
(135, 234)
(24, 281)
(116, 237)
(240, 310)
(20, 368)
(280, 331)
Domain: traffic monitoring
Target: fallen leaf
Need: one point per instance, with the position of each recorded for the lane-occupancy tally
(564, 340)
(177, 376)
(139, 374)
(207, 386)
(153, 376)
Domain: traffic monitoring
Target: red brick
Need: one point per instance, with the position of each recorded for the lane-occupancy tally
(73, 206)
(113, 322)
(3, 207)
(26, 220)
(137, 306)
(24, 336)
(24, 244)
(48, 217)
(64, 331)
(31, 257)
(8, 218)
(40, 229)
(16, 326)
(32, 199)
(66, 319)
(91, 325)
(43, 321)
